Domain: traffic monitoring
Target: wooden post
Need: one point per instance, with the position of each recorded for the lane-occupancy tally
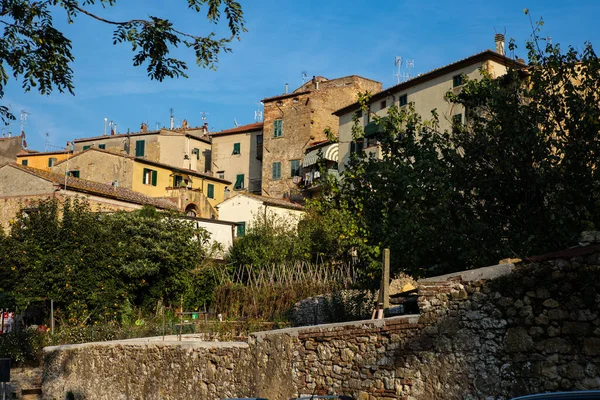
(52, 316)
(385, 277)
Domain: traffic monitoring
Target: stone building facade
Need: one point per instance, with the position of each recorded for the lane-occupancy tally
(9, 148)
(294, 120)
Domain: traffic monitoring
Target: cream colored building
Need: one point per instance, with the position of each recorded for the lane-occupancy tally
(237, 156)
(187, 148)
(193, 192)
(244, 208)
(426, 92)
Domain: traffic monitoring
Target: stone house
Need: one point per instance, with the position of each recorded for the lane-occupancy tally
(237, 156)
(9, 148)
(187, 148)
(294, 120)
(194, 192)
(42, 160)
(426, 92)
(245, 208)
(22, 187)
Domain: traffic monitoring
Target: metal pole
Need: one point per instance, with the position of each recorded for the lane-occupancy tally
(52, 316)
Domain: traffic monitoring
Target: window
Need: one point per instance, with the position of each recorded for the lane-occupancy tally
(51, 162)
(74, 174)
(102, 146)
(239, 182)
(294, 168)
(236, 148)
(24, 162)
(259, 140)
(241, 229)
(177, 180)
(457, 80)
(357, 146)
(221, 174)
(276, 170)
(277, 128)
(140, 148)
(210, 191)
(383, 104)
(456, 119)
(86, 147)
(359, 114)
(149, 177)
(403, 100)
(197, 153)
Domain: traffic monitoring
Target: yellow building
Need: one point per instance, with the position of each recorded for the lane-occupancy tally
(193, 192)
(41, 160)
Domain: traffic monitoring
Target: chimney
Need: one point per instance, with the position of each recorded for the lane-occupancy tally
(287, 88)
(144, 127)
(205, 128)
(184, 124)
(499, 39)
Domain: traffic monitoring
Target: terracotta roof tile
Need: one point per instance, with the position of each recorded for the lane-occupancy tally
(240, 129)
(99, 189)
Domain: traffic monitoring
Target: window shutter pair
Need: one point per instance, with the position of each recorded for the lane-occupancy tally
(277, 128)
(210, 192)
(239, 182)
(140, 148)
(236, 148)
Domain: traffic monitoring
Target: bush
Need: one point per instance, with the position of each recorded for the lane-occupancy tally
(24, 348)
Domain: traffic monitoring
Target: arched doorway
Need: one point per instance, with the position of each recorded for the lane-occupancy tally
(191, 210)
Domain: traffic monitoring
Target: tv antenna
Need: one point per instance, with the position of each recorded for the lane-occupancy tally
(235, 123)
(304, 77)
(172, 118)
(24, 115)
(258, 114)
(157, 125)
(204, 114)
(399, 75)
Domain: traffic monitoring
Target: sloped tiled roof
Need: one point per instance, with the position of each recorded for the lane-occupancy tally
(239, 129)
(285, 203)
(178, 131)
(98, 189)
(434, 73)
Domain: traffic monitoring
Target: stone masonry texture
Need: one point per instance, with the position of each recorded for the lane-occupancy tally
(306, 114)
(533, 328)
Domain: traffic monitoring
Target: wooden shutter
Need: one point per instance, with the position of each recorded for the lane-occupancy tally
(210, 191)
(154, 177)
(140, 148)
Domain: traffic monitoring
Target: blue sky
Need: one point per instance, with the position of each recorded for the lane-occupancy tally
(332, 38)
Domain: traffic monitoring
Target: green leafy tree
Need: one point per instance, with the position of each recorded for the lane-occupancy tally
(519, 178)
(32, 49)
(98, 265)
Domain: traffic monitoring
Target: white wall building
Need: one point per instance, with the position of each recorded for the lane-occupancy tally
(244, 208)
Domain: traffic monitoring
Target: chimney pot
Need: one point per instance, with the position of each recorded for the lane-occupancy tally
(499, 39)
(287, 88)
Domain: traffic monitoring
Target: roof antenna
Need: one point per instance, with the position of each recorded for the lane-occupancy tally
(204, 114)
(304, 77)
(24, 115)
(258, 114)
(235, 123)
(172, 118)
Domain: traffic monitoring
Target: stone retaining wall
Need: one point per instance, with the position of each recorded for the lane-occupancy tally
(491, 333)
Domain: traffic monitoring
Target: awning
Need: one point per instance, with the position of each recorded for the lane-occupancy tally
(329, 152)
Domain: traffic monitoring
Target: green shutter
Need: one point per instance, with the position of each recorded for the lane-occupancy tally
(294, 168)
(86, 147)
(276, 170)
(144, 173)
(277, 128)
(236, 148)
(102, 146)
(140, 148)
(210, 191)
(403, 100)
(154, 177)
(25, 162)
(197, 152)
(239, 181)
(51, 162)
(241, 229)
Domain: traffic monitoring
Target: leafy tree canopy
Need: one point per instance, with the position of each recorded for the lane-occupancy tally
(32, 49)
(98, 266)
(519, 177)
